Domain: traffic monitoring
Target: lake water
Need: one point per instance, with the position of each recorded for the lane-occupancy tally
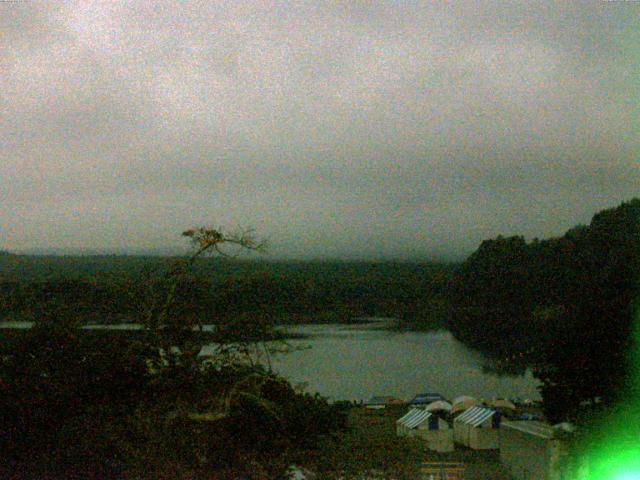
(356, 362)
(347, 362)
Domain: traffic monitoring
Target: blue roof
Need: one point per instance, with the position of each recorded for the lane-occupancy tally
(424, 398)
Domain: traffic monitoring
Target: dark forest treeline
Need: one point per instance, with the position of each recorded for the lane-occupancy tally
(562, 305)
(110, 288)
(86, 404)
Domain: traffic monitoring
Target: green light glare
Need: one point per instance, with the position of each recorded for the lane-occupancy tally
(624, 466)
(613, 451)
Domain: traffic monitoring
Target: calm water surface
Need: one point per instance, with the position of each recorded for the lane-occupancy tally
(347, 362)
(360, 361)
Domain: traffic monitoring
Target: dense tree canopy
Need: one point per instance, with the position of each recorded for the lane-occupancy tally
(110, 289)
(563, 306)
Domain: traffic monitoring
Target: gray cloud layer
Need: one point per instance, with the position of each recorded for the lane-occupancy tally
(400, 129)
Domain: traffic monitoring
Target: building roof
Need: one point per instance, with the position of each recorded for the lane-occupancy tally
(540, 429)
(475, 416)
(414, 418)
(537, 429)
(425, 398)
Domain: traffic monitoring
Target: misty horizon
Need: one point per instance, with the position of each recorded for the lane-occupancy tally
(337, 131)
(185, 249)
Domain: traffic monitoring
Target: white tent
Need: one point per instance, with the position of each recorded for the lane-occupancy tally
(422, 424)
(477, 428)
(502, 403)
(463, 402)
(439, 405)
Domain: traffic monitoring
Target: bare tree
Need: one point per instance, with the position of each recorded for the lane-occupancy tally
(177, 339)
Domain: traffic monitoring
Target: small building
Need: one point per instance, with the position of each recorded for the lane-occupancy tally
(424, 399)
(532, 450)
(381, 402)
(436, 432)
(477, 428)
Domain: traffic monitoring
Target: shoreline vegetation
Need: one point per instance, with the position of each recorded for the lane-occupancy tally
(546, 288)
(80, 403)
(509, 299)
(90, 404)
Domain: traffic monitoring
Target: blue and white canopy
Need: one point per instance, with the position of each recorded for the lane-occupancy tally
(475, 416)
(416, 417)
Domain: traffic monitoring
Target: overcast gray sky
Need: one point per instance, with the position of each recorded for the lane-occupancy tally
(356, 128)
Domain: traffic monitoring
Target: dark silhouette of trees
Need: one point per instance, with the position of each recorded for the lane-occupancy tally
(102, 404)
(562, 306)
(111, 289)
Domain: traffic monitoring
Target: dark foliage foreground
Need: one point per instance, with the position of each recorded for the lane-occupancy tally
(85, 406)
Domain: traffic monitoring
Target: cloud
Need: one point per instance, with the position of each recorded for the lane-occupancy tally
(341, 129)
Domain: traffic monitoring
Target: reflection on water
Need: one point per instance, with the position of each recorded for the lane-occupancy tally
(360, 361)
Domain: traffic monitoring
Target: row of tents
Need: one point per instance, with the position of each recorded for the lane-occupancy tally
(530, 449)
(434, 402)
(462, 403)
(476, 428)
